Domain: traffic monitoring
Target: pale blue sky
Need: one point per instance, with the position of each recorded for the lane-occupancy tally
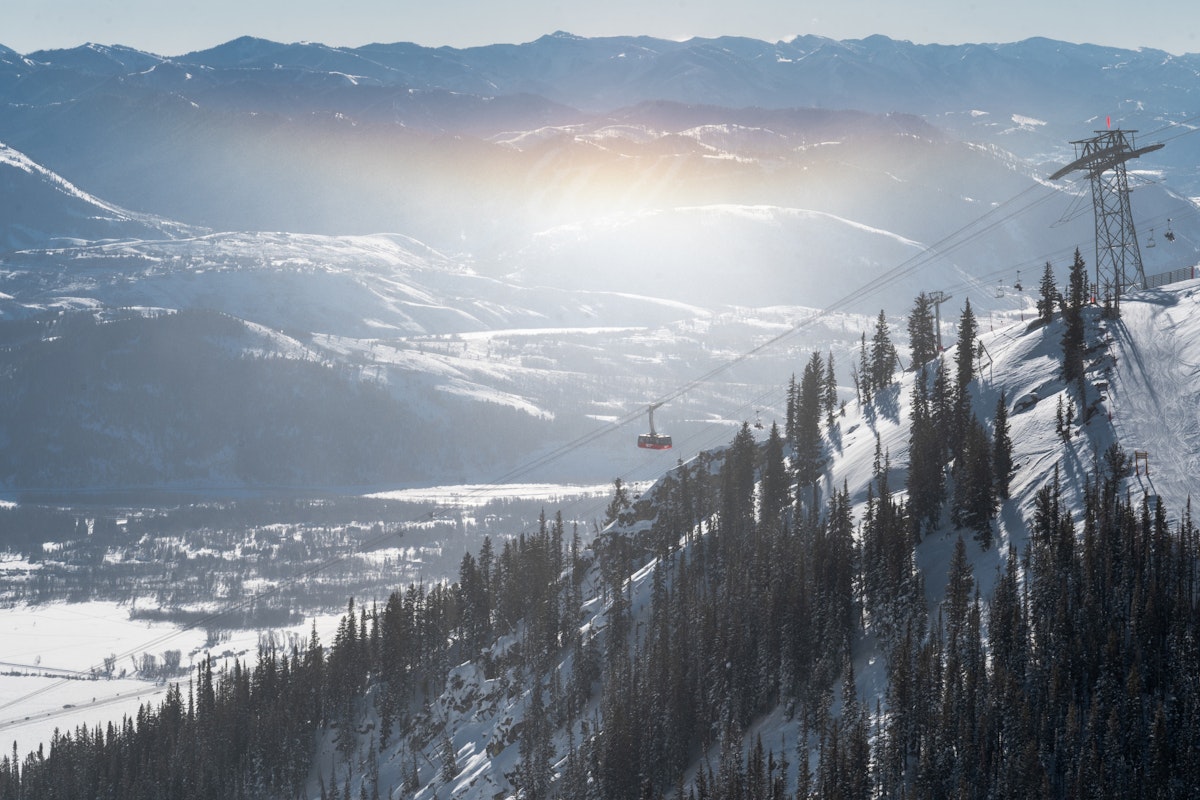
(173, 27)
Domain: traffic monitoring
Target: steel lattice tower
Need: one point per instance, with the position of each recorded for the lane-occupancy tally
(1118, 259)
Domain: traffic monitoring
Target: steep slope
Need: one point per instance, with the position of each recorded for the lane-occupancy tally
(40, 208)
(1154, 386)
(474, 739)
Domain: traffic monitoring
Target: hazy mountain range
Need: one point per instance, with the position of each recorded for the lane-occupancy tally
(619, 195)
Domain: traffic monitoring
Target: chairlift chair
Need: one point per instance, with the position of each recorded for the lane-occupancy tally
(1150, 243)
(1170, 234)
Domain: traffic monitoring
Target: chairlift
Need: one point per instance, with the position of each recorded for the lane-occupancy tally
(999, 289)
(758, 419)
(654, 440)
(1017, 285)
(1170, 234)
(1150, 243)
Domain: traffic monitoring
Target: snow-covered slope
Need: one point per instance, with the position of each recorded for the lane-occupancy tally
(1155, 389)
(1142, 385)
(39, 207)
(1143, 393)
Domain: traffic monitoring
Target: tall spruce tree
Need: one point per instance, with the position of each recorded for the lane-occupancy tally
(883, 354)
(809, 404)
(620, 502)
(1047, 294)
(964, 362)
(922, 336)
(964, 374)
(926, 481)
(793, 397)
(941, 407)
(974, 485)
(1073, 333)
(775, 478)
(862, 375)
(829, 389)
(1002, 463)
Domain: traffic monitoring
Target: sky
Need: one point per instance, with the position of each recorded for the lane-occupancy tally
(174, 27)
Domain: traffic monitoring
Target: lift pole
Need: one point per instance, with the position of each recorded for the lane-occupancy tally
(938, 297)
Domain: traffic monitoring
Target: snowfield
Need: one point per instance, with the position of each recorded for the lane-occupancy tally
(55, 664)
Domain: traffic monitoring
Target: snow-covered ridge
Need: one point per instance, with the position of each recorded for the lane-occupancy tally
(12, 158)
(1147, 355)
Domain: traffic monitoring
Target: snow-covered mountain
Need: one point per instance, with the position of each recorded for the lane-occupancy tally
(578, 228)
(471, 740)
(1033, 96)
(136, 128)
(613, 248)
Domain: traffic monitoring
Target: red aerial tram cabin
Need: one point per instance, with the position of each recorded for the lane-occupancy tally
(654, 440)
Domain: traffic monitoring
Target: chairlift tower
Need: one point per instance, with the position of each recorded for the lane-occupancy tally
(1103, 157)
(938, 297)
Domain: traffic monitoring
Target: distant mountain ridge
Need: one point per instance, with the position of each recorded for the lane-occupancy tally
(150, 132)
(599, 74)
(407, 214)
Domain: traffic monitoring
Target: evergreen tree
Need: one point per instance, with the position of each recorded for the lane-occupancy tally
(1047, 295)
(964, 361)
(863, 374)
(793, 399)
(965, 374)
(942, 401)
(974, 489)
(1002, 464)
(960, 583)
(922, 335)
(808, 456)
(449, 759)
(775, 479)
(737, 488)
(926, 481)
(883, 354)
(1073, 332)
(830, 391)
(619, 503)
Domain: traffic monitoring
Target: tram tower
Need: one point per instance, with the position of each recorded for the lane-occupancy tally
(1118, 259)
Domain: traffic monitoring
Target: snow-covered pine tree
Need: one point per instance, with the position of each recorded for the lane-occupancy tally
(1047, 294)
(808, 457)
(883, 354)
(922, 337)
(1002, 463)
(1073, 332)
(974, 490)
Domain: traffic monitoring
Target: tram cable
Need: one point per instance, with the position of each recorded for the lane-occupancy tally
(939, 249)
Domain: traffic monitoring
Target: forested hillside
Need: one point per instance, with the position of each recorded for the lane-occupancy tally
(710, 641)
